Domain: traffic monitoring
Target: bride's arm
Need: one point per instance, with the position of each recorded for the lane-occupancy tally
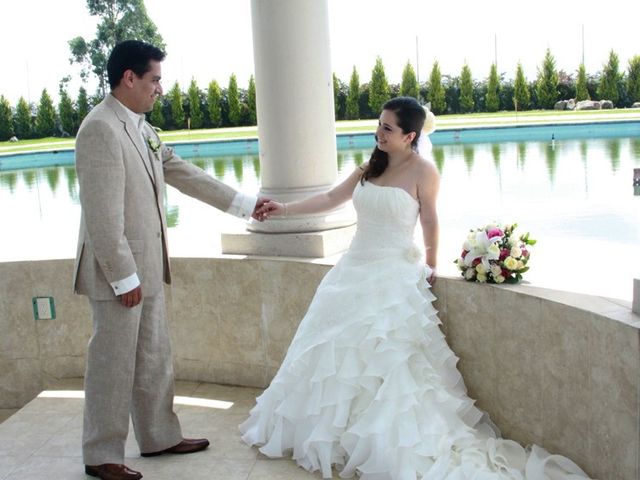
(428, 186)
(322, 202)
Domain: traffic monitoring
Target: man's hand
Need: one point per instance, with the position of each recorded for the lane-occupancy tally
(132, 297)
(257, 213)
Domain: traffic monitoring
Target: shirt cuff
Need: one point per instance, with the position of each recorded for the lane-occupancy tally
(243, 205)
(125, 285)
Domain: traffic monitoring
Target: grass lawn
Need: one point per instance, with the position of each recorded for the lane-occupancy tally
(443, 122)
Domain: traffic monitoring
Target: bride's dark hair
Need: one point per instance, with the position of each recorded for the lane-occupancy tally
(411, 117)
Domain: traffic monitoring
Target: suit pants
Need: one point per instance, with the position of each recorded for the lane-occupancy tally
(129, 372)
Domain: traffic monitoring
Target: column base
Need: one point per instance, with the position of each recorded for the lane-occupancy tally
(311, 244)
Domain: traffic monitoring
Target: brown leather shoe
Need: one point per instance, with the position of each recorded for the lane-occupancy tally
(112, 471)
(187, 445)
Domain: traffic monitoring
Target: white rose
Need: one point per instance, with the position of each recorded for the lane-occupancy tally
(520, 265)
(469, 273)
(515, 252)
(499, 278)
(482, 278)
(480, 269)
(496, 270)
(511, 263)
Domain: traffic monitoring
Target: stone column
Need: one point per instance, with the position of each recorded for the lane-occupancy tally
(636, 296)
(296, 129)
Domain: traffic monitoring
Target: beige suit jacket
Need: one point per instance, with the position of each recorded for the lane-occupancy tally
(122, 183)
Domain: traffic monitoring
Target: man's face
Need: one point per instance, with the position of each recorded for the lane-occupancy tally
(145, 89)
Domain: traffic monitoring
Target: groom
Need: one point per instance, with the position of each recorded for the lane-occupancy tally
(122, 260)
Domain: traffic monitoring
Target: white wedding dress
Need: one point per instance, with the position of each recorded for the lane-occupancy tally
(369, 384)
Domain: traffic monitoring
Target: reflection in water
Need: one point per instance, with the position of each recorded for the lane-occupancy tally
(29, 177)
(237, 168)
(585, 169)
(468, 153)
(256, 165)
(495, 153)
(635, 147)
(550, 157)
(53, 178)
(219, 166)
(72, 183)
(521, 154)
(9, 179)
(613, 147)
(359, 157)
(199, 162)
(438, 158)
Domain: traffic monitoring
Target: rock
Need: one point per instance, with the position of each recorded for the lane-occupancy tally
(635, 105)
(13, 139)
(571, 104)
(606, 104)
(561, 105)
(588, 105)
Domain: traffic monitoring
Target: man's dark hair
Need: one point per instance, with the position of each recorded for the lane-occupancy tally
(131, 55)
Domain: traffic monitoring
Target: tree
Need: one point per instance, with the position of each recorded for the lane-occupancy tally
(521, 94)
(493, 90)
(156, 117)
(22, 123)
(118, 20)
(195, 111)
(45, 116)
(251, 101)
(547, 83)
(608, 87)
(466, 90)
(582, 93)
(353, 103)
(336, 91)
(214, 107)
(233, 100)
(409, 85)
(66, 112)
(437, 94)
(378, 88)
(633, 80)
(6, 119)
(177, 110)
(82, 105)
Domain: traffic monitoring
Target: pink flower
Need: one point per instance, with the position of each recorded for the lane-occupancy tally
(464, 253)
(525, 252)
(504, 253)
(495, 232)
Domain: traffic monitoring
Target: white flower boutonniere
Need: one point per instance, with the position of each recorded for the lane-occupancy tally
(153, 145)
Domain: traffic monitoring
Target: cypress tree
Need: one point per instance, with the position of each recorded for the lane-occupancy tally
(156, 117)
(378, 88)
(547, 83)
(214, 107)
(521, 94)
(45, 116)
(82, 105)
(633, 80)
(436, 94)
(6, 119)
(23, 126)
(493, 90)
(409, 85)
(251, 101)
(466, 90)
(582, 93)
(608, 87)
(233, 99)
(177, 111)
(353, 98)
(67, 113)
(195, 111)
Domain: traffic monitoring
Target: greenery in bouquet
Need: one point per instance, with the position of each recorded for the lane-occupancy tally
(495, 254)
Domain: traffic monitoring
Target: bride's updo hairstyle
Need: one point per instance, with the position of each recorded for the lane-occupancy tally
(411, 117)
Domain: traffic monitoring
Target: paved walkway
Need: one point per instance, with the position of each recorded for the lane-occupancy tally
(42, 441)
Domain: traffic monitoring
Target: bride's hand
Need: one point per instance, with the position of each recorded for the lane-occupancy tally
(434, 275)
(271, 209)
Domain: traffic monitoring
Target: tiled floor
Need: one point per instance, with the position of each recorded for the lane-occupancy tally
(42, 440)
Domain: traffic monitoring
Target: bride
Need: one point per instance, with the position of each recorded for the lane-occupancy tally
(369, 385)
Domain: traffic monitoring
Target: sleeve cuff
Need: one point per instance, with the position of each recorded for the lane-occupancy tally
(243, 205)
(126, 284)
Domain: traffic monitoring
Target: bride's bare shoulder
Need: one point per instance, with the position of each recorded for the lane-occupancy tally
(424, 168)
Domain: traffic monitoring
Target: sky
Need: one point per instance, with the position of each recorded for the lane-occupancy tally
(211, 39)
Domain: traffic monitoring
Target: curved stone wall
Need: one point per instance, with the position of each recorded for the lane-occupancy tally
(557, 369)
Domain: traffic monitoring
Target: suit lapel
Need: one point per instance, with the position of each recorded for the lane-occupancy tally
(133, 133)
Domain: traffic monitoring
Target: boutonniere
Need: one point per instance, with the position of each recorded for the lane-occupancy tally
(153, 145)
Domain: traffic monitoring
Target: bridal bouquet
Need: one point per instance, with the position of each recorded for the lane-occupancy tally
(494, 254)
